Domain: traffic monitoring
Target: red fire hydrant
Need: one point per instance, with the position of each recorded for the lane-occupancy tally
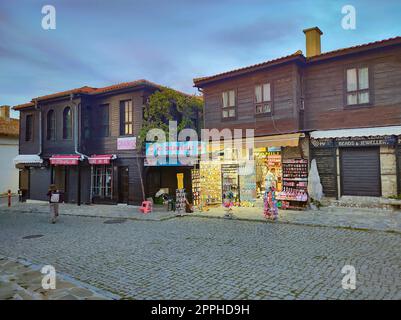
(9, 197)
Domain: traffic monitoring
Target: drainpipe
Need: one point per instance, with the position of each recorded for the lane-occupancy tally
(203, 108)
(76, 125)
(40, 128)
(76, 131)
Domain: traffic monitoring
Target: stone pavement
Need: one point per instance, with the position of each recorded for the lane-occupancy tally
(21, 280)
(195, 258)
(358, 218)
(98, 210)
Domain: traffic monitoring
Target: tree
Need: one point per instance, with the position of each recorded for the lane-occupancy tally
(167, 105)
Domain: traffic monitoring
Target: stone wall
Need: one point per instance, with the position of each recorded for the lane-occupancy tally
(388, 168)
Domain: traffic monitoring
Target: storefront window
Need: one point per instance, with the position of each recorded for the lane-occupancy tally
(102, 181)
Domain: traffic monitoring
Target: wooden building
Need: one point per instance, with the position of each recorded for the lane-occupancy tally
(356, 91)
(84, 141)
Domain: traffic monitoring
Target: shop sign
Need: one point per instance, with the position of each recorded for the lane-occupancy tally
(65, 160)
(354, 142)
(170, 153)
(127, 143)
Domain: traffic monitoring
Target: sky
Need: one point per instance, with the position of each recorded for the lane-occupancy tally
(170, 42)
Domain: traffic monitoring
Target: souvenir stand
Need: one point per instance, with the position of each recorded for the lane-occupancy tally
(294, 194)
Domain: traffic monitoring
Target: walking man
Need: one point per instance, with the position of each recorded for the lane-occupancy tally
(54, 200)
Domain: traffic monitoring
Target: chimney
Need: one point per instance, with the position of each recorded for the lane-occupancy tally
(5, 112)
(313, 47)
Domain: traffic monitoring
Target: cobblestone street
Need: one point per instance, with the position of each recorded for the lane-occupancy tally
(197, 258)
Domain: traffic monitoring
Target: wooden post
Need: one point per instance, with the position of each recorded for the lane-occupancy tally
(79, 185)
(9, 197)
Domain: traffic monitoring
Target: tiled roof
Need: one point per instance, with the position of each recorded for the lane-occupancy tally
(84, 89)
(291, 57)
(356, 49)
(125, 85)
(322, 56)
(94, 91)
(9, 127)
(23, 106)
(88, 90)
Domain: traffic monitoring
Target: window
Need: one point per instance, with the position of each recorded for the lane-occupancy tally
(29, 128)
(86, 122)
(126, 118)
(67, 123)
(263, 99)
(102, 181)
(103, 120)
(358, 86)
(228, 100)
(51, 125)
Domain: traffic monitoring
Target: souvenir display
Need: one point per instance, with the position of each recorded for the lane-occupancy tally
(295, 184)
(228, 203)
(247, 190)
(270, 207)
(195, 174)
(230, 181)
(210, 183)
(180, 201)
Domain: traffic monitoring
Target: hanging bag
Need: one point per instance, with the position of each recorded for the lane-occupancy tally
(55, 197)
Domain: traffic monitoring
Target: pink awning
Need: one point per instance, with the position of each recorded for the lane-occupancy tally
(65, 160)
(101, 158)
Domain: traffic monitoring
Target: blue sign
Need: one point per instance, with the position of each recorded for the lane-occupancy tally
(176, 153)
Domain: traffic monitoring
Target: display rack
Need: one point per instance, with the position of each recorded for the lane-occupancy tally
(210, 181)
(230, 181)
(294, 194)
(180, 202)
(196, 190)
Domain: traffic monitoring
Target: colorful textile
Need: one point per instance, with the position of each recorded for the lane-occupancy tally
(270, 204)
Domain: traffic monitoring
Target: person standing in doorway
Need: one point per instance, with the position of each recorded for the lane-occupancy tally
(271, 179)
(54, 200)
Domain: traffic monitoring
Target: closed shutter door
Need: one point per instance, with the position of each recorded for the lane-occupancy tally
(360, 172)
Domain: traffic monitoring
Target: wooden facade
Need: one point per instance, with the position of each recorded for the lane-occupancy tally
(286, 100)
(310, 94)
(88, 138)
(324, 82)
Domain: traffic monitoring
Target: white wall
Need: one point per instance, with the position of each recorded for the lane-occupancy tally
(8, 172)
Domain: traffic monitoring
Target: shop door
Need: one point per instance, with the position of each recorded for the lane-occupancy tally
(123, 184)
(24, 183)
(59, 179)
(360, 172)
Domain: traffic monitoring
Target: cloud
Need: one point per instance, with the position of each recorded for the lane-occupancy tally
(255, 33)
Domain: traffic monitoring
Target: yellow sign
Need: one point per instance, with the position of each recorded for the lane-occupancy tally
(180, 181)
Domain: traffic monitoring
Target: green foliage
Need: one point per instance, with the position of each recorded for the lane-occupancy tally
(396, 197)
(163, 106)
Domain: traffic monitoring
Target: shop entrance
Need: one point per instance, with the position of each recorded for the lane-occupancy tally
(59, 179)
(267, 159)
(24, 183)
(360, 171)
(123, 186)
(230, 181)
